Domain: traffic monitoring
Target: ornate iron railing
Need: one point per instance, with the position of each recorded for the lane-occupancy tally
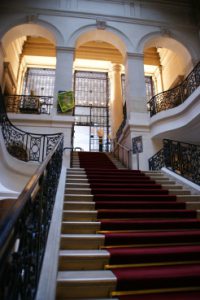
(24, 145)
(121, 127)
(176, 96)
(29, 104)
(156, 162)
(24, 230)
(181, 158)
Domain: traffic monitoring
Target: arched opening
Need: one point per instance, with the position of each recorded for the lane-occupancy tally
(171, 63)
(29, 62)
(98, 67)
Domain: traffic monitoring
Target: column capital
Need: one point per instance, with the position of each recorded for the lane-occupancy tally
(65, 49)
(116, 67)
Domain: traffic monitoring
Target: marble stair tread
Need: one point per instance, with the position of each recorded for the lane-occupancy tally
(77, 175)
(90, 227)
(188, 198)
(82, 284)
(74, 180)
(79, 205)
(78, 185)
(78, 197)
(165, 181)
(179, 192)
(83, 259)
(81, 241)
(171, 186)
(79, 215)
(192, 205)
(83, 191)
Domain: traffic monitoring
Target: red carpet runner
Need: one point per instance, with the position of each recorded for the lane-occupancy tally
(153, 240)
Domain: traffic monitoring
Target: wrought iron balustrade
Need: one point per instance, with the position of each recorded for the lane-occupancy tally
(24, 230)
(29, 104)
(176, 96)
(24, 145)
(121, 127)
(181, 158)
(157, 161)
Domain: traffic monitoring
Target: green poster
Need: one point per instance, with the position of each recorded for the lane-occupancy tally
(66, 100)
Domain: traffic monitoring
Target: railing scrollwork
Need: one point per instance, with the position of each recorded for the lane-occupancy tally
(24, 230)
(176, 96)
(24, 145)
(29, 104)
(179, 157)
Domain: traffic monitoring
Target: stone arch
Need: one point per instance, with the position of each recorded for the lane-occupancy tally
(40, 28)
(165, 39)
(109, 35)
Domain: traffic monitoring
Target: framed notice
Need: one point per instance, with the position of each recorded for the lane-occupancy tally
(137, 144)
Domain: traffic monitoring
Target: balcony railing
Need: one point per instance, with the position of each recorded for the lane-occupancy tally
(179, 157)
(24, 230)
(24, 145)
(176, 96)
(29, 104)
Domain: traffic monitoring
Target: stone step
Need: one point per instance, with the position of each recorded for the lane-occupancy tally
(82, 284)
(165, 181)
(75, 170)
(79, 215)
(69, 180)
(193, 205)
(75, 165)
(73, 185)
(158, 177)
(179, 192)
(78, 227)
(171, 186)
(83, 259)
(188, 198)
(81, 241)
(152, 173)
(77, 176)
(82, 191)
(78, 197)
(79, 205)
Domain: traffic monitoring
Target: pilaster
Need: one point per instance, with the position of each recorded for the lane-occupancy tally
(64, 70)
(135, 83)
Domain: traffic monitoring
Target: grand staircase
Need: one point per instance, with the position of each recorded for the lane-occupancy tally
(127, 235)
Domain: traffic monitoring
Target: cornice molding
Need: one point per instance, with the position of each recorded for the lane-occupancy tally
(94, 16)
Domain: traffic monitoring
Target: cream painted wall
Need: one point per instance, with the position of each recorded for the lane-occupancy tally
(172, 66)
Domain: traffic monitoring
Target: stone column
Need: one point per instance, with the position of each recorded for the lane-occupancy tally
(117, 101)
(135, 88)
(64, 71)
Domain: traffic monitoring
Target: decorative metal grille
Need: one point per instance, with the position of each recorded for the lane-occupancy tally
(91, 104)
(176, 96)
(29, 104)
(40, 81)
(24, 231)
(91, 88)
(25, 145)
(157, 161)
(181, 158)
